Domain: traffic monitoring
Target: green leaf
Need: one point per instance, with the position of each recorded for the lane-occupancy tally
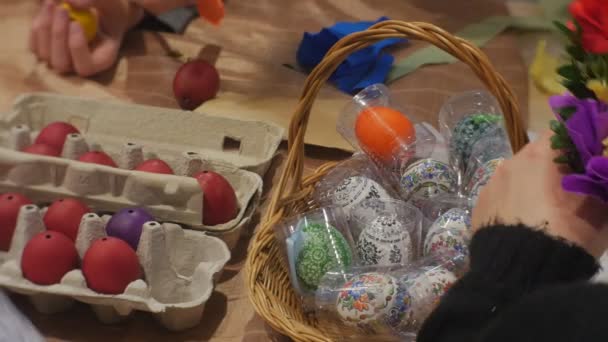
(559, 128)
(559, 143)
(565, 30)
(579, 89)
(569, 72)
(562, 159)
(566, 112)
(576, 52)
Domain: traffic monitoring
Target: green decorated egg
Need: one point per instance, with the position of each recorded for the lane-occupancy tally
(323, 248)
(468, 131)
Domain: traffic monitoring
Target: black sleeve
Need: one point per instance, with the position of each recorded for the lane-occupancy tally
(519, 279)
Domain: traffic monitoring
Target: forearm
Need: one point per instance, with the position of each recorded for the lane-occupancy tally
(507, 263)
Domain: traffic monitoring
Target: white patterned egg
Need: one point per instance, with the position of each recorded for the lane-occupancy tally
(427, 178)
(425, 289)
(357, 195)
(449, 233)
(385, 241)
(366, 298)
(481, 177)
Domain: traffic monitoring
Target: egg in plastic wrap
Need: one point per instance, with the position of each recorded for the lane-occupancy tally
(427, 178)
(450, 232)
(365, 299)
(467, 132)
(318, 249)
(385, 241)
(481, 177)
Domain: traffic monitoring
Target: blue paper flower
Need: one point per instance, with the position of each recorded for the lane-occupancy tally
(362, 68)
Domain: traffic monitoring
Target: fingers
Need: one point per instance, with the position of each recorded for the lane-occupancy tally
(41, 31)
(60, 53)
(81, 4)
(85, 61)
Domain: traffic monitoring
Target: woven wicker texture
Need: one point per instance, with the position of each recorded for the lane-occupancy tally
(267, 279)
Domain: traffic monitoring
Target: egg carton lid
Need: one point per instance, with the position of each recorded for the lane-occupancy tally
(249, 145)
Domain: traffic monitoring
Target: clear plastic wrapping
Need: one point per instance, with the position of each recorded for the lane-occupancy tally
(385, 303)
(386, 232)
(463, 120)
(392, 139)
(314, 243)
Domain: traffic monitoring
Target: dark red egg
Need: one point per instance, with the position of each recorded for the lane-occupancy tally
(54, 134)
(97, 157)
(64, 216)
(47, 257)
(110, 265)
(155, 166)
(43, 150)
(195, 82)
(220, 204)
(10, 204)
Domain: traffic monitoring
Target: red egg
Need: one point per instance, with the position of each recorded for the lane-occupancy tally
(64, 216)
(43, 150)
(195, 82)
(47, 257)
(155, 166)
(9, 212)
(220, 204)
(97, 157)
(110, 265)
(54, 134)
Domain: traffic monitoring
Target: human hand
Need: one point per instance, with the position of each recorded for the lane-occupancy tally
(61, 43)
(527, 189)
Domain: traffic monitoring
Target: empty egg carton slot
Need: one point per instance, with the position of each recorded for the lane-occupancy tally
(179, 268)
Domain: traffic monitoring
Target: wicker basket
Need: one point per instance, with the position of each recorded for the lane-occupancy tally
(266, 279)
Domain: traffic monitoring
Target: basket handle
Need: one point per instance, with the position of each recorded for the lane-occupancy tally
(291, 177)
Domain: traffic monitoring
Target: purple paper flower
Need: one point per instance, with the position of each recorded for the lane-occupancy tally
(587, 128)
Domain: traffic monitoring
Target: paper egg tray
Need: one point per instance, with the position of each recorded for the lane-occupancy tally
(174, 198)
(179, 267)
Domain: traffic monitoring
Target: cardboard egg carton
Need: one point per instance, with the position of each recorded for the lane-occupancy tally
(179, 267)
(174, 198)
(165, 133)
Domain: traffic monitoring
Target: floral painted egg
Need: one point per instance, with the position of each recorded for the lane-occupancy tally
(450, 232)
(356, 189)
(319, 249)
(481, 177)
(386, 241)
(401, 312)
(366, 299)
(425, 288)
(468, 131)
(427, 178)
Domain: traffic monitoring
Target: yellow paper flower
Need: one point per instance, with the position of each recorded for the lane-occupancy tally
(599, 88)
(543, 71)
(86, 19)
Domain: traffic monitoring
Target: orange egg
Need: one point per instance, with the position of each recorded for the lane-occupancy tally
(380, 131)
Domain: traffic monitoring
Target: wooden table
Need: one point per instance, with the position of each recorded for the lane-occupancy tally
(255, 40)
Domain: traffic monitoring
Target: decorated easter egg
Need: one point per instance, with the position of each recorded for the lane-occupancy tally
(450, 232)
(97, 157)
(47, 257)
(54, 134)
(468, 131)
(64, 216)
(366, 299)
(10, 204)
(357, 195)
(381, 131)
(384, 242)
(43, 150)
(320, 249)
(155, 166)
(401, 313)
(127, 225)
(110, 265)
(481, 177)
(425, 287)
(427, 178)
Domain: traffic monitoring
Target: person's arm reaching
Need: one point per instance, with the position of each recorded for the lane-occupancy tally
(528, 271)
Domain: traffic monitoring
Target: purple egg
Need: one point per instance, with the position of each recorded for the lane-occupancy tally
(127, 225)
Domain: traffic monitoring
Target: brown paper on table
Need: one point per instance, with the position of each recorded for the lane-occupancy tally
(255, 85)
